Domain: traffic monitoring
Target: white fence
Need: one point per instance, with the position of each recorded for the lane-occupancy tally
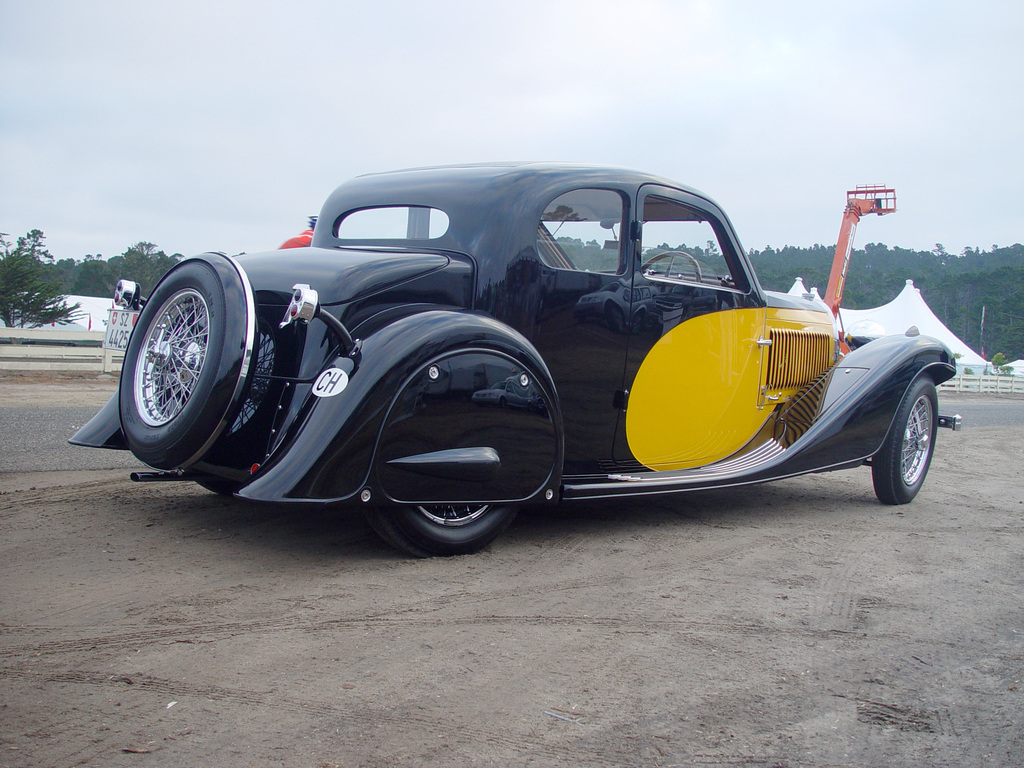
(51, 349)
(984, 384)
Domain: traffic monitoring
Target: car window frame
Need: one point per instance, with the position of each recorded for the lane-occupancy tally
(412, 222)
(740, 271)
(625, 219)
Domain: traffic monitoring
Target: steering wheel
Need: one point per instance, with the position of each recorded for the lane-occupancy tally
(671, 256)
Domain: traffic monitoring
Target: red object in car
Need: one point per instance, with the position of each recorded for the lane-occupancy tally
(299, 241)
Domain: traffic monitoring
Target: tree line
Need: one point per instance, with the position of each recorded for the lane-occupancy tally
(957, 287)
(33, 283)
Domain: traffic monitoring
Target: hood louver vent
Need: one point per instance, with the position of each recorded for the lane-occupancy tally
(796, 358)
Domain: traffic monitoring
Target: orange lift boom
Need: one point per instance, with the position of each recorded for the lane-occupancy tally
(859, 202)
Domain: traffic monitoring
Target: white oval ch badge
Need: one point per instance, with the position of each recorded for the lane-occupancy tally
(330, 382)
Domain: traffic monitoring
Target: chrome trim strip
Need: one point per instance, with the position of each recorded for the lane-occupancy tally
(761, 455)
(250, 326)
(683, 281)
(612, 490)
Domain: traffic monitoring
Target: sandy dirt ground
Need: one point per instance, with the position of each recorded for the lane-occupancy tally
(794, 624)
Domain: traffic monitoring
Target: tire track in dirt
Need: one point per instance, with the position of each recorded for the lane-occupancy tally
(844, 563)
(711, 553)
(415, 613)
(355, 715)
(64, 494)
(903, 718)
(204, 632)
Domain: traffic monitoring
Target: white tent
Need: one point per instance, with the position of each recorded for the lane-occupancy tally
(906, 310)
(1018, 367)
(91, 314)
(798, 289)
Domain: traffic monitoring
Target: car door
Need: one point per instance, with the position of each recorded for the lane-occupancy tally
(693, 368)
(584, 319)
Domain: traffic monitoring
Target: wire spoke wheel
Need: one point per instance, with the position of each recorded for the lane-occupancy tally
(899, 468)
(453, 514)
(173, 353)
(916, 441)
(260, 385)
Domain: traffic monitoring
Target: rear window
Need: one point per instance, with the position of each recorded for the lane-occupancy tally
(393, 222)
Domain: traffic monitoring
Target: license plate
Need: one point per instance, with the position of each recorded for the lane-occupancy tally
(119, 328)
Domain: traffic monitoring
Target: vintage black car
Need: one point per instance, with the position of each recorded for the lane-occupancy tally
(367, 369)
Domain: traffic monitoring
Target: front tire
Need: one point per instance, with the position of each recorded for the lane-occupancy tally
(441, 529)
(898, 470)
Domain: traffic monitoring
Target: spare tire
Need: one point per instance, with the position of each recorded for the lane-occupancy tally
(187, 361)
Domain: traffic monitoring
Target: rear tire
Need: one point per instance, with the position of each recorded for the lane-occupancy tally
(441, 529)
(899, 468)
(220, 486)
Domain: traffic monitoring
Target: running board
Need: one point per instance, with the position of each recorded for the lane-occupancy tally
(740, 465)
(736, 471)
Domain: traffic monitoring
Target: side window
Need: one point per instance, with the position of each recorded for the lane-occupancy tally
(582, 230)
(398, 222)
(679, 243)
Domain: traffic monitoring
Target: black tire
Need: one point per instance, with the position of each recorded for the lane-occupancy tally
(186, 361)
(220, 486)
(441, 529)
(899, 468)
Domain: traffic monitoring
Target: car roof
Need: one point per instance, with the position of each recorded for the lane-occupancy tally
(492, 207)
(454, 183)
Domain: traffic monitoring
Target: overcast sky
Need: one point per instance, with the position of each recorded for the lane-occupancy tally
(205, 125)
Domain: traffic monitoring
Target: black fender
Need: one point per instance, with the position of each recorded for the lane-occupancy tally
(843, 419)
(104, 429)
(404, 428)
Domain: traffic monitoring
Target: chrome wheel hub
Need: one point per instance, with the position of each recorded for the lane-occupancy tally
(172, 357)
